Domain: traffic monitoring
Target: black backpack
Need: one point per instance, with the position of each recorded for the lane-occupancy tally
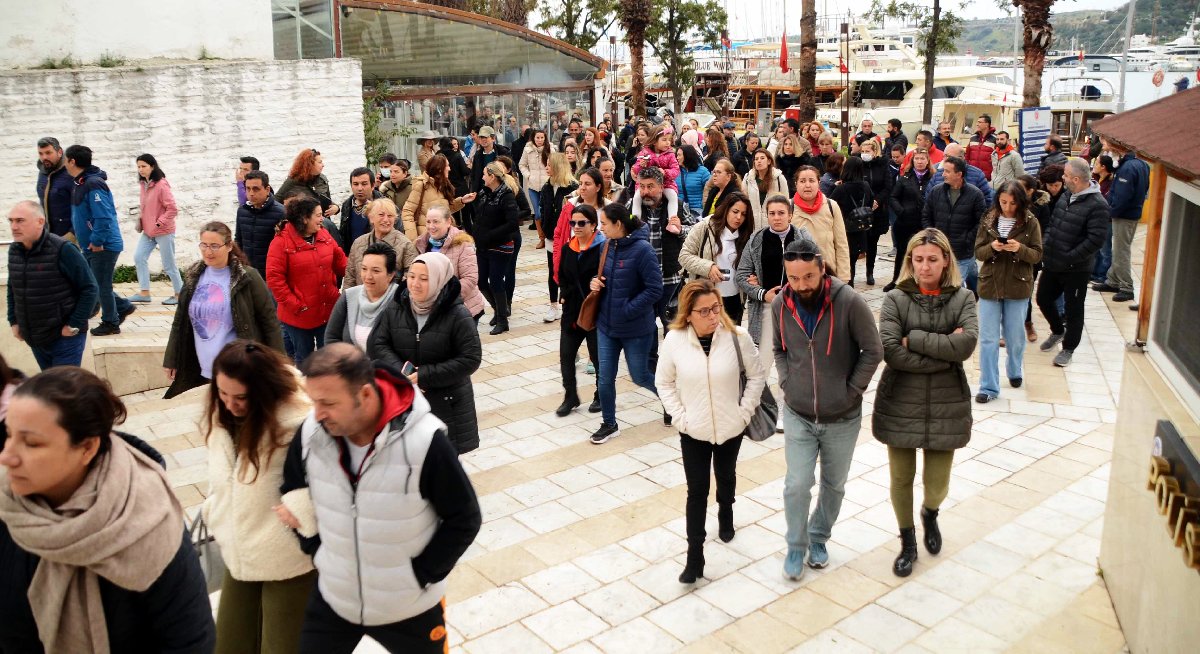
(860, 217)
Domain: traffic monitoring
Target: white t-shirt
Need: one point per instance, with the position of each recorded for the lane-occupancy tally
(358, 454)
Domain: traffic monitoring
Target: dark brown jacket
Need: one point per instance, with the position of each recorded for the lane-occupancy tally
(1008, 275)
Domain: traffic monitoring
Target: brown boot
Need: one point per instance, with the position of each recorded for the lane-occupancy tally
(1030, 332)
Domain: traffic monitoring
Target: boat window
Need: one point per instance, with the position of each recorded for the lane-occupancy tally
(889, 90)
(946, 92)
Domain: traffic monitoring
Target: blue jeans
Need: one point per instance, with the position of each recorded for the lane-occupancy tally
(304, 341)
(1104, 258)
(102, 264)
(803, 442)
(637, 356)
(66, 351)
(969, 269)
(996, 318)
(166, 251)
(535, 201)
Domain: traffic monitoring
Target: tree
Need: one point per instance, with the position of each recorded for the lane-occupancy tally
(1038, 35)
(808, 61)
(461, 5)
(634, 16)
(582, 23)
(675, 23)
(937, 31)
(376, 138)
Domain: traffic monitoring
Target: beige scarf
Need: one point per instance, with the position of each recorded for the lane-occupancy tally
(123, 524)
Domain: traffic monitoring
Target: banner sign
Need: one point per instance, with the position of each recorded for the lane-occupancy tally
(1034, 125)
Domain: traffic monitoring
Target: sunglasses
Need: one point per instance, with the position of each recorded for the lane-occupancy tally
(580, 223)
(800, 256)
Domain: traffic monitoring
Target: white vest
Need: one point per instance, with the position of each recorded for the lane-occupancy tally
(369, 536)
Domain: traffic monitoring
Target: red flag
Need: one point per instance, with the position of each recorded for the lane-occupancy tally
(725, 40)
(842, 66)
(783, 56)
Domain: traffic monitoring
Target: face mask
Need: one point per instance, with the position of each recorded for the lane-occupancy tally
(386, 173)
(867, 156)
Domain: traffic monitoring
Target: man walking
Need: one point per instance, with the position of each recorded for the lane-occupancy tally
(245, 165)
(1125, 200)
(486, 151)
(824, 365)
(256, 220)
(1006, 161)
(981, 146)
(973, 175)
(667, 234)
(955, 207)
(943, 137)
(374, 468)
(895, 130)
(1075, 234)
(54, 187)
(94, 221)
(354, 216)
(1053, 153)
(47, 280)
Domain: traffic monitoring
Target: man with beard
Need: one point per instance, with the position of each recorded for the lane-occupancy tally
(826, 349)
(54, 187)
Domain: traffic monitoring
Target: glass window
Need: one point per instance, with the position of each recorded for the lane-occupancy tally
(303, 29)
(884, 90)
(1177, 305)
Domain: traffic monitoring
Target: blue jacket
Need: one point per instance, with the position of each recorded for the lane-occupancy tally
(975, 177)
(632, 285)
(691, 186)
(93, 214)
(1129, 188)
(54, 189)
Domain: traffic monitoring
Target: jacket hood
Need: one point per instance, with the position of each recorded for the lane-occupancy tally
(1000, 152)
(597, 241)
(1041, 197)
(236, 271)
(93, 171)
(456, 236)
(1093, 187)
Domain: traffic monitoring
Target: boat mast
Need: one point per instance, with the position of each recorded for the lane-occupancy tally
(1125, 54)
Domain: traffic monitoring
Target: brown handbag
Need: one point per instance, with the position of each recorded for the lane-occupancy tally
(591, 304)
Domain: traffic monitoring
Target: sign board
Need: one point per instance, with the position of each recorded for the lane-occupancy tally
(1034, 125)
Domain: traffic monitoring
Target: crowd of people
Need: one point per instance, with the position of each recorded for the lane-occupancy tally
(336, 343)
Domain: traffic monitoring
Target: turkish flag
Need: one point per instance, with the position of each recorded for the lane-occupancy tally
(783, 56)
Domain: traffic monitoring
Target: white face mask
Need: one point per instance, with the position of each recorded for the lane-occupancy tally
(867, 156)
(385, 173)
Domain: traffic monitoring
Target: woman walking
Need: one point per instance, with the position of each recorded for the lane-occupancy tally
(743, 159)
(224, 299)
(91, 534)
(255, 406)
(496, 232)
(761, 183)
(693, 177)
(723, 182)
(428, 327)
(359, 306)
(832, 176)
(713, 250)
(589, 192)
(579, 265)
(306, 176)
(560, 184)
(442, 236)
(399, 185)
(156, 224)
(630, 284)
(906, 201)
(382, 214)
(718, 149)
(877, 173)
(534, 163)
(303, 265)
(823, 220)
(699, 380)
(1009, 244)
(431, 187)
(854, 194)
(793, 153)
(929, 328)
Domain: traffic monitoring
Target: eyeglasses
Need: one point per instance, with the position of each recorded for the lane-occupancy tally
(212, 247)
(714, 310)
(800, 256)
(580, 223)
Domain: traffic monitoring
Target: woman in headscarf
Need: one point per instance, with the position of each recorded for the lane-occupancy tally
(459, 247)
(359, 307)
(91, 535)
(428, 328)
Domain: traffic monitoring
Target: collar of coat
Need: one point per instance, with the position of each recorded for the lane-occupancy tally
(237, 271)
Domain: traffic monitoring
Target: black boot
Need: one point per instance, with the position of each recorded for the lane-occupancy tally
(933, 535)
(502, 311)
(695, 565)
(594, 407)
(568, 404)
(725, 530)
(908, 552)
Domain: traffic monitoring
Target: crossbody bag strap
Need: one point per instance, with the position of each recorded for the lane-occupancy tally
(737, 347)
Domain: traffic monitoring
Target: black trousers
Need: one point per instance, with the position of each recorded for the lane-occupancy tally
(550, 277)
(569, 340)
(734, 307)
(700, 457)
(900, 237)
(1073, 285)
(866, 241)
(325, 632)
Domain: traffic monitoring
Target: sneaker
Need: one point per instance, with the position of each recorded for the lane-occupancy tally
(171, 301)
(793, 565)
(594, 407)
(983, 398)
(1123, 296)
(604, 433)
(779, 424)
(1063, 359)
(138, 297)
(1050, 342)
(818, 556)
(552, 314)
(106, 329)
(1133, 307)
(125, 314)
(1105, 288)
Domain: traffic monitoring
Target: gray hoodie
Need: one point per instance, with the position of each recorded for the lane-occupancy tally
(824, 377)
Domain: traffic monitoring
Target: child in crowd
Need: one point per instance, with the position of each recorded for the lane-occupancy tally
(659, 152)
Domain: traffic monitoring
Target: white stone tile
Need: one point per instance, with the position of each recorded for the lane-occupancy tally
(578, 478)
(655, 544)
(1081, 547)
(560, 583)
(661, 580)
(564, 625)
(719, 561)
(880, 629)
(618, 465)
(860, 536)
(547, 517)
(530, 446)
(1021, 540)
(689, 618)
(1052, 523)
(533, 493)
(591, 502)
(863, 492)
(618, 602)
(1052, 435)
(513, 638)
(1005, 459)
(668, 474)
(992, 560)
(920, 603)
(999, 617)
(498, 505)
(1029, 446)
(831, 641)
(1080, 427)
(611, 563)
(995, 427)
(754, 542)
(1037, 595)
(737, 595)
(638, 635)
(1072, 412)
(493, 609)
(954, 635)
(653, 454)
(582, 648)
(1064, 572)
(631, 488)
(1074, 504)
(1041, 409)
(498, 534)
(1091, 487)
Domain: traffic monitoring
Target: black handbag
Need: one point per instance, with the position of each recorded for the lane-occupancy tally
(762, 423)
(860, 218)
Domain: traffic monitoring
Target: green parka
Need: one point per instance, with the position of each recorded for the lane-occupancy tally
(923, 399)
(1008, 275)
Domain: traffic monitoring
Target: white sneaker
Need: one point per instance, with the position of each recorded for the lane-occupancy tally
(552, 314)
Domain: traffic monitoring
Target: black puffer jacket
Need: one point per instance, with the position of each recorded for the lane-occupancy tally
(446, 352)
(960, 222)
(255, 231)
(908, 199)
(496, 216)
(173, 615)
(1077, 230)
(460, 174)
(552, 199)
(879, 176)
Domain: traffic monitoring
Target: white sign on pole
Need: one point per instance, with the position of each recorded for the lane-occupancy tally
(1033, 125)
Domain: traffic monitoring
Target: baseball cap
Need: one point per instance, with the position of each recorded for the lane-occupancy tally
(727, 126)
(487, 130)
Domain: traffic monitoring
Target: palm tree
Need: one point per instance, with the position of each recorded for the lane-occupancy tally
(635, 18)
(452, 4)
(808, 61)
(1039, 33)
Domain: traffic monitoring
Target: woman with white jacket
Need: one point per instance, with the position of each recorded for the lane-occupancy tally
(255, 405)
(533, 163)
(698, 379)
(763, 181)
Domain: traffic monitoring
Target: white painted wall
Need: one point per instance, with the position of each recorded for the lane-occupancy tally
(196, 118)
(33, 30)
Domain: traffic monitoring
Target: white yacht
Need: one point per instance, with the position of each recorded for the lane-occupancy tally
(1142, 56)
(1183, 54)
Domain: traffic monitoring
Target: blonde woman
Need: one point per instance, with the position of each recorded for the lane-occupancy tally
(382, 214)
(431, 186)
(792, 154)
(496, 233)
(929, 327)
(560, 184)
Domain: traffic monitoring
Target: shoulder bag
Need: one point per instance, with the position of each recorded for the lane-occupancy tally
(206, 549)
(591, 304)
(766, 415)
(860, 218)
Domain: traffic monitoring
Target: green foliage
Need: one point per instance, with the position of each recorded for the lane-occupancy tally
(110, 60)
(675, 23)
(50, 63)
(126, 274)
(377, 139)
(950, 25)
(582, 23)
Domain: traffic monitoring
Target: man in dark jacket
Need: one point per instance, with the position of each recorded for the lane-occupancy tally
(974, 175)
(256, 220)
(981, 146)
(47, 280)
(895, 130)
(54, 187)
(826, 348)
(1054, 153)
(955, 207)
(383, 555)
(486, 151)
(1076, 233)
(354, 217)
(94, 221)
(1125, 199)
(943, 137)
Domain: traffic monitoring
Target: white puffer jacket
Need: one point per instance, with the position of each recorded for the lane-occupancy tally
(532, 168)
(758, 197)
(239, 511)
(701, 392)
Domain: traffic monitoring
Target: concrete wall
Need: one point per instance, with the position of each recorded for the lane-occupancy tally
(34, 30)
(196, 118)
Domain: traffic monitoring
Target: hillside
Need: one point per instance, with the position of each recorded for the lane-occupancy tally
(1096, 31)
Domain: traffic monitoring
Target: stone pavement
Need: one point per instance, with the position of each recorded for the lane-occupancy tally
(581, 544)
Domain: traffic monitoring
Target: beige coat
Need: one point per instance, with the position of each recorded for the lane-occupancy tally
(423, 196)
(405, 253)
(828, 229)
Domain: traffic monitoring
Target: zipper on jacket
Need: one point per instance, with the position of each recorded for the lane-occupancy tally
(812, 361)
(712, 413)
(362, 600)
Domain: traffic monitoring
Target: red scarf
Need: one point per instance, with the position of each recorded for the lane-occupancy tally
(807, 208)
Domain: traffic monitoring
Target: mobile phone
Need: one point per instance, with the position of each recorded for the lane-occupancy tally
(725, 274)
(1004, 240)
(408, 368)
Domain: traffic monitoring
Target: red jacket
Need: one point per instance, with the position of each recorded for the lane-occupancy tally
(979, 151)
(303, 277)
